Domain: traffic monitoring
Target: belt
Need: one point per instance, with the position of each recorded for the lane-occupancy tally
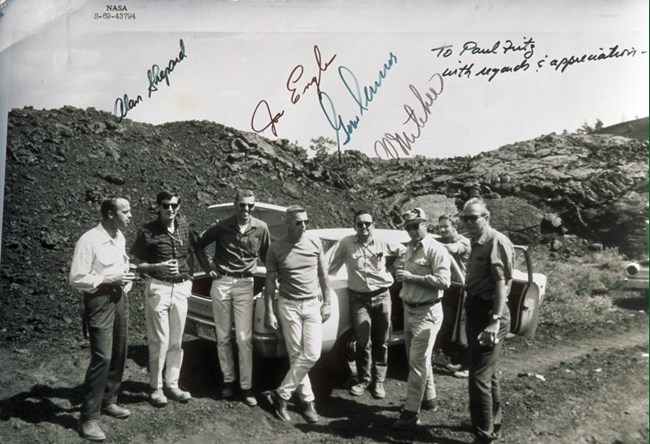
(236, 274)
(174, 280)
(104, 289)
(421, 304)
(370, 294)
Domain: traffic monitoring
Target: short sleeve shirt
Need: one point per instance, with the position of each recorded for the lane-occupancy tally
(491, 260)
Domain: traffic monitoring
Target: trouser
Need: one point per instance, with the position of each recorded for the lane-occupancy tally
(371, 324)
(421, 326)
(106, 313)
(483, 383)
(232, 299)
(165, 314)
(302, 328)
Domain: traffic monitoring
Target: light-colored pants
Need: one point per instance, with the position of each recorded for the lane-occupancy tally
(421, 326)
(165, 314)
(232, 299)
(302, 327)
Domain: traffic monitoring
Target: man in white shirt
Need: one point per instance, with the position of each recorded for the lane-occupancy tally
(100, 270)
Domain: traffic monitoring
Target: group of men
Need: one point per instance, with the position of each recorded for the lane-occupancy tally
(163, 251)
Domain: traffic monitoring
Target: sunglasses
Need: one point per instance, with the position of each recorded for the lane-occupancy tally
(412, 227)
(165, 206)
(472, 217)
(245, 206)
(300, 222)
(364, 224)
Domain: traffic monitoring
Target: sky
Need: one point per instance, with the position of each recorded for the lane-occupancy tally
(381, 77)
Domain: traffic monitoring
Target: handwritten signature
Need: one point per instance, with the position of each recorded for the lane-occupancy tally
(390, 143)
(361, 98)
(267, 118)
(155, 75)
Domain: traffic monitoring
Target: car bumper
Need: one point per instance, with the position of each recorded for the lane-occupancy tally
(635, 284)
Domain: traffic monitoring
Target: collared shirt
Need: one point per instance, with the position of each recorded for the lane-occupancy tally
(365, 264)
(155, 244)
(234, 251)
(96, 255)
(460, 248)
(491, 260)
(429, 258)
(296, 265)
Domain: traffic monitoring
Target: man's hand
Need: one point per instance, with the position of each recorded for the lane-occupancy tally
(270, 320)
(168, 268)
(119, 278)
(489, 335)
(402, 275)
(214, 274)
(325, 311)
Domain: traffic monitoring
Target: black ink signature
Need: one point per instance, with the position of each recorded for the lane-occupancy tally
(156, 76)
(405, 141)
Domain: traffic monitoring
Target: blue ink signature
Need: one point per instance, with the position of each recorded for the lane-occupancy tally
(124, 104)
(405, 141)
(156, 76)
(361, 98)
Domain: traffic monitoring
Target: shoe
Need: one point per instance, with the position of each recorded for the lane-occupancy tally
(115, 411)
(406, 421)
(454, 367)
(178, 395)
(280, 407)
(359, 388)
(227, 391)
(461, 374)
(310, 412)
(90, 430)
(378, 390)
(429, 404)
(157, 398)
(249, 397)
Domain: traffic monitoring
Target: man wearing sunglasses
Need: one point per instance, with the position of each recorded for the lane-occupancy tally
(364, 257)
(164, 248)
(488, 280)
(238, 243)
(424, 271)
(297, 261)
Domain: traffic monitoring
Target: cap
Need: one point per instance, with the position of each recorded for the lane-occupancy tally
(414, 215)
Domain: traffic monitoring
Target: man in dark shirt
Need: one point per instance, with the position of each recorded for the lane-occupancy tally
(164, 248)
(489, 276)
(239, 241)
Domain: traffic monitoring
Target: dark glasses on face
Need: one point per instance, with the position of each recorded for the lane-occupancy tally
(364, 224)
(300, 222)
(245, 206)
(472, 217)
(165, 206)
(412, 227)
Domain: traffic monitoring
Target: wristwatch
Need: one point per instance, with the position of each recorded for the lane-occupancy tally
(496, 317)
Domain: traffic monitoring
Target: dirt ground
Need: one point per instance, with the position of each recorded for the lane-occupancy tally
(565, 386)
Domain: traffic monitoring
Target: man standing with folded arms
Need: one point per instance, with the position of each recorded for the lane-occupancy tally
(424, 271)
(100, 270)
(298, 262)
(489, 277)
(369, 282)
(164, 247)
(238, 243)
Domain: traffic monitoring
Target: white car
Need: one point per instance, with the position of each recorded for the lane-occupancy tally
(636, 277)
(525, 298)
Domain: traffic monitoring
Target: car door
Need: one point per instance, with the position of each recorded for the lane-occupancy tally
(526, 295)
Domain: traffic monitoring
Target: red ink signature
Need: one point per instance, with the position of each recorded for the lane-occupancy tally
(298, 71)
(269, 119)
(274, 119)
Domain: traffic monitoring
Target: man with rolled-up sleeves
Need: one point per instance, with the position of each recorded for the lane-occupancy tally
(424, 271)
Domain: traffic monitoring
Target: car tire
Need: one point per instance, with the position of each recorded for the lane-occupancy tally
(342, 362)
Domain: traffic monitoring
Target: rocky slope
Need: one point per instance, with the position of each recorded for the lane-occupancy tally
(564, 191)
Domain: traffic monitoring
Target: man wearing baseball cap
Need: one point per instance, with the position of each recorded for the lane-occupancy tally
(424, 271)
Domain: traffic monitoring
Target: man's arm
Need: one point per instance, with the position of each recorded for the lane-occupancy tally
(269, 294)
(264, 244)
(326, 308)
